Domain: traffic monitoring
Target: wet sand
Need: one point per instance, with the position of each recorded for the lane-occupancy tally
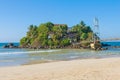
(86, 69)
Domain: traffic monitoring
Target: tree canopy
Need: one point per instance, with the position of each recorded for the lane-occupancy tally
(55, 35)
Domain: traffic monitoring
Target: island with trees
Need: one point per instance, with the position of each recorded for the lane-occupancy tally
(50, 35)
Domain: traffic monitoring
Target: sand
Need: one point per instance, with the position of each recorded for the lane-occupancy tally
(87, 69)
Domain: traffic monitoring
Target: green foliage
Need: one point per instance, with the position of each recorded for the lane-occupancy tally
(32, 33)
(84, 36)
(56, 42)
(50, 42)
(83, 31)
(90, 35)
(64, 29)
(43, 29)
(49, 34)
(49, 25)
(23, 40)
(36, 43)
(65, 42)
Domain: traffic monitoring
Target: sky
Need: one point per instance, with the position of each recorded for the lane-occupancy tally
(17, 15)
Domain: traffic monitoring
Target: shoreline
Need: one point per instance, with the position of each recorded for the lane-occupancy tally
(67, 54)
(85, 69)
(52, 61)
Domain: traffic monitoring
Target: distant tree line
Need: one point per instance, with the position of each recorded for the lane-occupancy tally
(49, 35)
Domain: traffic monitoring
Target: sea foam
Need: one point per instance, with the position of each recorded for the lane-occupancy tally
(26, 52)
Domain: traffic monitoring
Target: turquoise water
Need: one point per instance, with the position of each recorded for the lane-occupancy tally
(113, 43)
(16, 57)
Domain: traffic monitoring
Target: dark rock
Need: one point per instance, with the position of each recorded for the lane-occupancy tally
(10, 45)
(5, 46)
(104, 45)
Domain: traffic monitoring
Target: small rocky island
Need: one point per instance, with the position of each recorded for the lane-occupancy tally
(49, 35)
(58, 36)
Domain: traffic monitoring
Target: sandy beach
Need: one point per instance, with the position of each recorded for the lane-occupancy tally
(86, 69)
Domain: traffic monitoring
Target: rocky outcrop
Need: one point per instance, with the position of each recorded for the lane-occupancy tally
(10, 45)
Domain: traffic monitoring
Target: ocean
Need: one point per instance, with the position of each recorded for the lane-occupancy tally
(17, 57)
